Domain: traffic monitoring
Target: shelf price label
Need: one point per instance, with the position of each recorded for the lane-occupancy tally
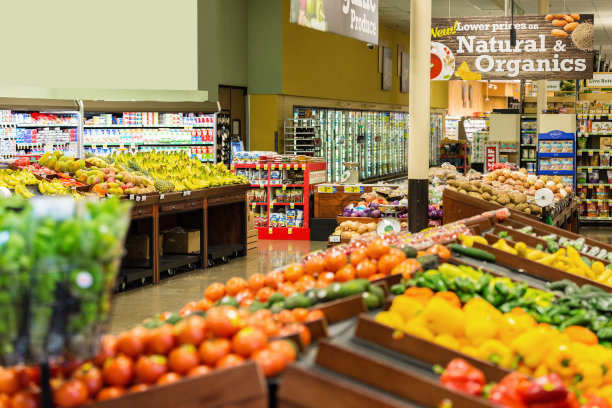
(326, 189)
(133, 145)
(232, 166)
(290, 231)
(270, 231)
(295, 166)
(121, 146)
(253, 205)
(303, 167)
(353, 189)
(334, 239)
(261, 185)
(284, 186)
(292, 205)
(186, 193)
(138, 198)
(162, 196)
(590, 169)
(272, 166)
(597, 116)
(105, 146)
(265, 166)
(93, 146)
(590, 153)
(257, 166)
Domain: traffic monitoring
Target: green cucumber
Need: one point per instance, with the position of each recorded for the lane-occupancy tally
(472, 252)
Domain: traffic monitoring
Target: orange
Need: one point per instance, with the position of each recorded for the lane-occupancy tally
(357, 256)
(294, 272)
(248, 340)
(274, 278)
(285, 317)
(235, 285)
(334, 260)
(245, 294)
(204, 304)
(315, 315)
(407, 267)
(286, 347)
(365, 268)
(215, 291)
(346, 273)
(246, 302)
(387, 262)
(256, 282)
(264, 294)
(314, 264)
(308, 281)
(376, 276)
(398, 252)
(378, 248)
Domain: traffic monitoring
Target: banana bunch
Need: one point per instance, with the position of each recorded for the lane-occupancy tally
(52, 188)
(22, 191)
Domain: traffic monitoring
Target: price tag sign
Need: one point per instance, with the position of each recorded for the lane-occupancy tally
(261, 185)
(253, 205)
(591, 116)
(590, 153)
(272, 166)
(232, 166)
(257, 166)
(105, 146)
(133, 145)
(93, 146)
(290, 231)
(121, 146)
(590, 169)
(353, 189)
(131, 196)
(265, 166)
(326, 189)
(580, 116)
(270, 231)
(284, 186)
(334, 239)
(144, 198)
(272, 203)
(295, 166)
(162, 196)
(291, 205)
(138, 198)
(186, 193)
(597, 116)
(303, 167)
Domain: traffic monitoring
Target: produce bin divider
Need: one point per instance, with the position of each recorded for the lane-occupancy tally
(342, 309)
(370, 330)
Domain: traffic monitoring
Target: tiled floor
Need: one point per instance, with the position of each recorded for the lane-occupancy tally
(135, 305)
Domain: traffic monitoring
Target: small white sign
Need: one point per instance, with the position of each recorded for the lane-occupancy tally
(600, 80)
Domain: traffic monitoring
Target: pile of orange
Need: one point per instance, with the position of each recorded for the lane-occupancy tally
(141, 358)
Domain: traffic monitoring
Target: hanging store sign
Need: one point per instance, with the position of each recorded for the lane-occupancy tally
(600, 80)
(547, 47)
(352, 18)
(491, 156)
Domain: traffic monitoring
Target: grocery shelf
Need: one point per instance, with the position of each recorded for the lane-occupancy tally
(275, 203)
(265, 166)
(594, 116)
(283, 233)
(594, 200)
(593, 185)
(529, 160)
(556, 172)
(252, 203)
(595, 219)
(508, 150)
(541, 154)
(37, 126)
(594, 167)
(148, 144)
(147, 126)
(587, 134)
(529, 145)
(594, 151)
(223, 250)
(528, 131)
(167, 262)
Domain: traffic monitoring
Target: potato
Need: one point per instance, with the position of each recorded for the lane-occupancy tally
(503, 199)
(453, 183)
(527, 210)
(522, 206)
(473, 189)
(462, 191)
(452, 188)
(465, 186)
(487, 189)
(535, 209)
(474, 194)
(493, 198)
(476, 183)
(510, 205)
(486, 196)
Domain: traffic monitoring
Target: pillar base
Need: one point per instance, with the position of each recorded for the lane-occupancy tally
(418, 204)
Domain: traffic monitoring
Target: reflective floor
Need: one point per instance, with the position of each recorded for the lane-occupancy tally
(133, 306)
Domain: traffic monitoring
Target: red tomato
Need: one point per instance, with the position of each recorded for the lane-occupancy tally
(191, 330)
(108, 350)
(118, 371)
(132, 343)
(72, 393)
(224, 321)
(248, 340)
(198, 371)
(9, 382)
(286, 347)
(25, 399)
(271, 362)
(150, 368)
(168, 378)
(110, 393)
(27, 376)
(139, 388)
(5, 401)
(212, 351)
(161, 340)
(91, 376)
(231, 360)
(297, 328)
(183, 358)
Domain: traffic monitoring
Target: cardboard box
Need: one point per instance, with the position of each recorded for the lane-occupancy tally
(182, 242)
(137, 247)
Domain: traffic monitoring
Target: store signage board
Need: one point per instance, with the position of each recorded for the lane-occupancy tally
(600, 80)
(551, 86)
(491, 156)
(356, 19)
(478, 48)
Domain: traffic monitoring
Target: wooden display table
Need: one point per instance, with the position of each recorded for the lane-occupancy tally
(459, 206)
(219, 213)
(331, 199)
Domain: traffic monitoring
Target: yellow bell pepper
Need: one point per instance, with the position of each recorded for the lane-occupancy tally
(573, 253)
(536, 255)
(606, 363)
(468, 240)
(605, 392)
(533, 345)
(390, 319)
(598, 267)
(442, 318)
(607, 274)
(588, 375)
(416, 327)
(496, 352)
(447, 341)
(406, 307)
(478, 304)
(548, 260)
(560, 360)
(470, 351)
(514, 323)
(480, 327)
(521, 249)
(541, 371)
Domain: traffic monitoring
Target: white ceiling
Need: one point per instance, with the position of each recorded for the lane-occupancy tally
(396, 13)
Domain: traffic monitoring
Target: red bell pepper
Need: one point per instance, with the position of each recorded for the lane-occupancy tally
(594, 401)
(546, 389)
(511, 390)
(459, 375)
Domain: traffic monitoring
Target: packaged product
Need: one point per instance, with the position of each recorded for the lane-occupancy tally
(581, 177)
(605, 142)
(603, 208)
(556, 164)
(281, 220)
(582, 192)
(591, 209)
(556, 146)
(545, 164)
(275, 177)
(582, 142)
(273, 220)
(602, 192)
(594, 159)
(594, 177)
(604, 159)
(581, 209)
(545, 146)
(280, 195)
(609, 174)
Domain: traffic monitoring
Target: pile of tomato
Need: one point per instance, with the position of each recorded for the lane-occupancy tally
(141, 358)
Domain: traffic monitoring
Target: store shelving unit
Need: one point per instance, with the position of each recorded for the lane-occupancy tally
(451, 128)
(556, 155)
(436, 135)
(302, 136)
(457, 154)
(474, 124)
(224, 141)
(311, 173)
(529, 143)
(194, 133)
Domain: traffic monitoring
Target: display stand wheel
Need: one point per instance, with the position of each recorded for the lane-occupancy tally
(191, 266)
(143, 281)
(172, 271)
(211, 263)
(225, 259)
(122, 285)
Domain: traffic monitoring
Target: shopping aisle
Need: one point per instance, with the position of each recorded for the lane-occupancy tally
(171, 294)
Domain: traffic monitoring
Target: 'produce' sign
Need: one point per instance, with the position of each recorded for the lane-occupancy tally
(352, 18)
(555, 46)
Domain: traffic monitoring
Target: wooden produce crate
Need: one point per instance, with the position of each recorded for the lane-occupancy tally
(363, 220)
(251, 241)
(215, 390)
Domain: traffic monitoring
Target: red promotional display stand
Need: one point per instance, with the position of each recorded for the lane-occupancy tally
(313, 173)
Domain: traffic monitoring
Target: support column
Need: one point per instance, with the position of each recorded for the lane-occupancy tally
(418, 141)
(542, 86)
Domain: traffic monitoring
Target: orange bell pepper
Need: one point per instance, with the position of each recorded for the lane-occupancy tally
(440, 250)
(581, 335)
(450, 297)
(423, 295)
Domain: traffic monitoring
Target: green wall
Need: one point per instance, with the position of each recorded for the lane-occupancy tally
(222, 44)
(265, 62)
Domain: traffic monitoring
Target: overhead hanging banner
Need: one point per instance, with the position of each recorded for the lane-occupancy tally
(555, 46)
(352, 18)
